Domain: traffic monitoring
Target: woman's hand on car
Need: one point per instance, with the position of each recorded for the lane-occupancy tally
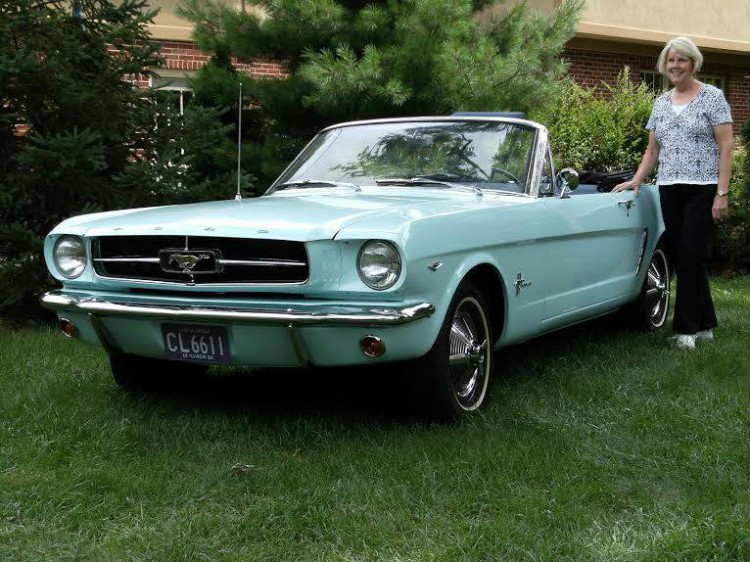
(626, 185)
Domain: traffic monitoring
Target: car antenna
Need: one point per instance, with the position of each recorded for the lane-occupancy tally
(238, 196)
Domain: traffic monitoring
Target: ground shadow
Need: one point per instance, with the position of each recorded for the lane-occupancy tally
(344, 392)
(371, 392)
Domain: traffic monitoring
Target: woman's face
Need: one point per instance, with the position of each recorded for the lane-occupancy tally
(679, 67)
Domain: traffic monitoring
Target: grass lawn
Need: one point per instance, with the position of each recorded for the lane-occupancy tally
(598, 445)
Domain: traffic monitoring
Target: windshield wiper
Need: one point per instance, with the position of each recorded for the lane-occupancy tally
(427, 180)
(294, 184)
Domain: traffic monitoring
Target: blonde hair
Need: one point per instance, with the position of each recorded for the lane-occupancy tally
(685, 46)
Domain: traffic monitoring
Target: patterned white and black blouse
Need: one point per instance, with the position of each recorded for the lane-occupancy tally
(688, 152)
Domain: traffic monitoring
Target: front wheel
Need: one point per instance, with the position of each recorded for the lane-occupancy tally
(454, 375)
(650, 310)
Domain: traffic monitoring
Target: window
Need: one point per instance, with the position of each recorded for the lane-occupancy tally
(172, 98)
(654, 80)
(660, 83)
(712, 79)
(546, 184)
(177, 84)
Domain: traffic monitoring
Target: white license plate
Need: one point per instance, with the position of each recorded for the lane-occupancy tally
(201, 344)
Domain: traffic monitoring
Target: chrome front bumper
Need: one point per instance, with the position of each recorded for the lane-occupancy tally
(321, 315)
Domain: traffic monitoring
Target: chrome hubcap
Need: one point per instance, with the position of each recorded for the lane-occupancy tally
(469, 360)
(657, 291)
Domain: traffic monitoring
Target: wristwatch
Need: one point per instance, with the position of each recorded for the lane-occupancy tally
(721, 193)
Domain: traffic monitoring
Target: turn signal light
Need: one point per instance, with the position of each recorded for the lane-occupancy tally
(372, 346)
(67, 327)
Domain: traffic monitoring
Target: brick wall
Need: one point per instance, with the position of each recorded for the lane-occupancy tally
(738, 93)
(184, 55)
(593, 69)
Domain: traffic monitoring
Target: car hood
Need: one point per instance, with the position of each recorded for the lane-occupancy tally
(280, 216)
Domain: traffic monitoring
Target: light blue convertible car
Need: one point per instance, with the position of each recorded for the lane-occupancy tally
(419, 242)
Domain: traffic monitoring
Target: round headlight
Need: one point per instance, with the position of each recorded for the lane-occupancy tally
(379, 264)
(70, 256)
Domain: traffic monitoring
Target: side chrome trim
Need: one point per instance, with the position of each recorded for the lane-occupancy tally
(642, 251)
(323, 315)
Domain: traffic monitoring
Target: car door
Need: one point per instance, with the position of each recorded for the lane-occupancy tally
(594, 242)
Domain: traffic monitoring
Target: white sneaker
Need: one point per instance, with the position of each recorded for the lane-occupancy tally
(707, 335)
(685, 341)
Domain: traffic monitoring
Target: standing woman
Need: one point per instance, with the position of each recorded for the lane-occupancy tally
(690, 137)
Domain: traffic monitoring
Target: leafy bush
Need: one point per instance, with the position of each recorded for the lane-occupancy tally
(732, 247)
(68, 123)
(76, 136)
(594, 133)
(358, 60)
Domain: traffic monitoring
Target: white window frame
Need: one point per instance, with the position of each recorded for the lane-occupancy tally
(174, 81)
(662, 82)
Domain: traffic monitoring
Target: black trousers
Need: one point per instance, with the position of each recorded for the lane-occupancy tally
(689, 237)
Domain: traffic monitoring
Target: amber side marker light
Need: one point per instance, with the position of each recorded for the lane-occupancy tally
(67, 327)
(372, 346)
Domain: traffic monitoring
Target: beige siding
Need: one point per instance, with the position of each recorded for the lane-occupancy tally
(720, 20)
(718, 25)
(168, 25)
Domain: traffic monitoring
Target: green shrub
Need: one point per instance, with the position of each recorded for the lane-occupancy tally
(68, 123)
(732, 247)
(594, 133)
(76, 136)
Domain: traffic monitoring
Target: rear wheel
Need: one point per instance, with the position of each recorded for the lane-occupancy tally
(133, 372)
(650, 310)
(454, 375)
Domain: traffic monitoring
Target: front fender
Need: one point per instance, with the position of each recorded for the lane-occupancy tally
(439, 277)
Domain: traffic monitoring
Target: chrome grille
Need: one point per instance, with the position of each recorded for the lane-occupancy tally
(200, 259)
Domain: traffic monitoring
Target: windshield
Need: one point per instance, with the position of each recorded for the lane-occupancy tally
(488, 155)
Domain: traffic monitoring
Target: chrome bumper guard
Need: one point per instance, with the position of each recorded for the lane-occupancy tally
(326, 316)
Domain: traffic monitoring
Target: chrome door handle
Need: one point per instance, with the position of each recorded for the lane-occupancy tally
(627, 204)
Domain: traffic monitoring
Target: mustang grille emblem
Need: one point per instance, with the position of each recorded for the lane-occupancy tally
(190, 262)
(187, 261)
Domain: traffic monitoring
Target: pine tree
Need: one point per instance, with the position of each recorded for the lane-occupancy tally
(76, 135)
(379, 58)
